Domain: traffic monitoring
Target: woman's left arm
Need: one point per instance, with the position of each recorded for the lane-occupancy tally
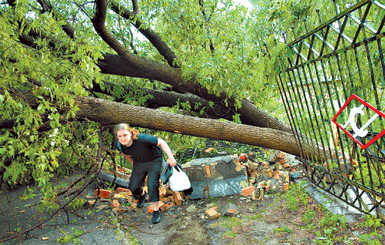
(171, 160)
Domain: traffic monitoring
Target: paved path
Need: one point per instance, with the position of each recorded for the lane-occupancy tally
(17, 214)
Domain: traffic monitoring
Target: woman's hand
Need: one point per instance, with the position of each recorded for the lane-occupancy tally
(171, 162)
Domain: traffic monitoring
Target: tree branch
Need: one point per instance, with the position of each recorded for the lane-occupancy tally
(99, 25)
(161, 98)
(151, 36)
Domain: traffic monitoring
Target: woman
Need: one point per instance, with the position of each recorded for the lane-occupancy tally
(144, 151)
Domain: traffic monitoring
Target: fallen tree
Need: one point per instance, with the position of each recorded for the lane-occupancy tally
(114, 113)
(186, 58)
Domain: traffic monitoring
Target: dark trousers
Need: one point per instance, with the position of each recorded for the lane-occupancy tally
(151, 169)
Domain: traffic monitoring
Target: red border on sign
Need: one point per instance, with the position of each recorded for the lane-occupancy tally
(353, 96)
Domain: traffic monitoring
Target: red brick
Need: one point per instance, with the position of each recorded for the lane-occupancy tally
(121, 189)
(115, 203)
(103, 193)
(166, 206)
(286, 186)
(117, 210)
(178, 199)
(166, 199)
(276, 176)
(162, 191)
(208, 172)
(248, 191)
(243, 157)
(212, 213)
(150, 208)
(208, 150)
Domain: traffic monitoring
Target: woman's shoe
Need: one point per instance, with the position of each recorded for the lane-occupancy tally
(156, 217)
(141, 200)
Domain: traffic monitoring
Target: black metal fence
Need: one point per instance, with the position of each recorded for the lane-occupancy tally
(333, 89)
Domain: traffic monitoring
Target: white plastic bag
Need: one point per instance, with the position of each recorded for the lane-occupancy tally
(179, 180)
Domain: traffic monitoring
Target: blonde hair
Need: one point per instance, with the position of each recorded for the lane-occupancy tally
(125, 126)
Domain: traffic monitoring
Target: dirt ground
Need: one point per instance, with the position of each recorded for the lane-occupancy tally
(271, 220)
(268, 221)
(188, 224)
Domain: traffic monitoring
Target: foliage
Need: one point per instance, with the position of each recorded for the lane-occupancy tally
(296, 196)
(30, 195)
(232, 226)
(76, 204)
(327, 227)
(73, 237)
(309, 215)
(131, 239)
(36, 155)
(371, 222)
(374, 236)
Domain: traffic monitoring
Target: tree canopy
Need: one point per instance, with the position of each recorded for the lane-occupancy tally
(207, 59)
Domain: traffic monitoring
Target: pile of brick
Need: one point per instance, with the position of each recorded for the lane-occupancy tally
(268, 177)
(263, 177)
(237, 174)
(121, 199)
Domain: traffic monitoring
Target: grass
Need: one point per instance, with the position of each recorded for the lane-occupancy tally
(297, 219)
(329, 228)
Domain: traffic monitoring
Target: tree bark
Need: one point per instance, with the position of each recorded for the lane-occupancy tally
(110, 113)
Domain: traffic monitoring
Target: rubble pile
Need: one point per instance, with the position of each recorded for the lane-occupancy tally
(240, 174)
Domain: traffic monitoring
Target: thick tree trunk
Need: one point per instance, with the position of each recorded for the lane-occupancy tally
(110, 113)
